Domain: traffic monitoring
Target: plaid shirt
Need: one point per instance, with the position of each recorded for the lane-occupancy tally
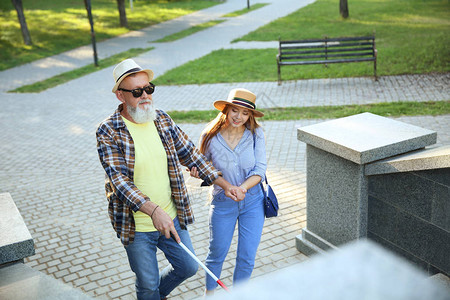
(117, 154)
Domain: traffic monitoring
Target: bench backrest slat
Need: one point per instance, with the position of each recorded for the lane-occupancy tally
(332, 56)
(328, 46)
(343, 50)
(368, 38)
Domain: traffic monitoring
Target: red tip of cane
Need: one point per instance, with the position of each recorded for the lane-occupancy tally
(222, 285)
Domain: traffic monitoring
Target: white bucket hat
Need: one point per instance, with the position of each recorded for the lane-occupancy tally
(125, 68)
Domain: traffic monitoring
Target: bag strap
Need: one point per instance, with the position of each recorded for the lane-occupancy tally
(265, 176)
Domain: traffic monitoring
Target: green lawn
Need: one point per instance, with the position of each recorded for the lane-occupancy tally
(245, 10)
(60, 25)
(412, 37)
(391, 109)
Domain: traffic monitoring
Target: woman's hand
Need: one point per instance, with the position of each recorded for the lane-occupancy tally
(231, 191)
(236, 193)
(193, 172)
(240, 193)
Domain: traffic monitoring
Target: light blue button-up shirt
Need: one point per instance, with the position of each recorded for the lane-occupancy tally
(247, 159)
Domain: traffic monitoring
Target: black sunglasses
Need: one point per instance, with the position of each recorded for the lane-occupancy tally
(149, 89)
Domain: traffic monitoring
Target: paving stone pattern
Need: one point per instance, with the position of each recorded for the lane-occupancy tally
(53, 174)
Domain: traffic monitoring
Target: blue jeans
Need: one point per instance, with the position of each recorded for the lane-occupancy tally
(223, 215)
(150, 284)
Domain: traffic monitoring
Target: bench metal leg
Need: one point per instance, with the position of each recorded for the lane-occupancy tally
(375, 69)
(279, 74)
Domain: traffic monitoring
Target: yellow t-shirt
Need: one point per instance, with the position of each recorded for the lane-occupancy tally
(150, 172)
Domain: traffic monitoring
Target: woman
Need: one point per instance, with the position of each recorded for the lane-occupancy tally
(235, 144)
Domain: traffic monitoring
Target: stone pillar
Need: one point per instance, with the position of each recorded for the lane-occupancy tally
(337, 187)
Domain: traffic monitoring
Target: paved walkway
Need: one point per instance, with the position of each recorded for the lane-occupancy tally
(51, 169)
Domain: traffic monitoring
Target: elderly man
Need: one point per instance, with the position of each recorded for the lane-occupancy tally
(142, 150)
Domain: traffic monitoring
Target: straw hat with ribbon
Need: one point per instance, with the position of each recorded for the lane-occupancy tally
(125, 68)
(241, 98)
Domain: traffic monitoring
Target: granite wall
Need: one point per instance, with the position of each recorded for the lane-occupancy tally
(409, 213)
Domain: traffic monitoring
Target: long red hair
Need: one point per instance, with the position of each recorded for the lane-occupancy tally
(216, 125)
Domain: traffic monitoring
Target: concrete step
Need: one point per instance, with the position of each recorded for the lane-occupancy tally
(20, 282)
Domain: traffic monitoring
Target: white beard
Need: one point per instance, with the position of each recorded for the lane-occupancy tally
(140, 115)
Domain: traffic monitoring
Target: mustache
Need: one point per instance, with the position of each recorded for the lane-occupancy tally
(145, 101)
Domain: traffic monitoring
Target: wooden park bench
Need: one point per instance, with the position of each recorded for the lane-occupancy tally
(327, 51)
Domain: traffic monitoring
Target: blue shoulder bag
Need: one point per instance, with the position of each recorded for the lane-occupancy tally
(270, 201)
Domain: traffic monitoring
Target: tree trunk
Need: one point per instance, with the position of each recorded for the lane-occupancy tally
(122, 13)
(23, 23)
(87, 5)
(343, 8)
